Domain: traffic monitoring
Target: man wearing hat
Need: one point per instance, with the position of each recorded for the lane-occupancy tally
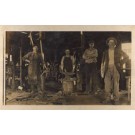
(110, 70)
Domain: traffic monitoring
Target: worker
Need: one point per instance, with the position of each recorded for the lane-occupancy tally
(35, 61)
(110, 70)
(67, 62)
(90, 62)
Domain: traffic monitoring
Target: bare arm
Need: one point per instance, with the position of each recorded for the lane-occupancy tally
(73, 62)
(42, 61)
(26, 57)
(102, 66)
(62, 64)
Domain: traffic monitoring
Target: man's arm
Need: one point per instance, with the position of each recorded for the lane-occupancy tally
(42, 61)
(103, 65)
(73, 62)
(62, 63)
(94, 54)
(125, 57)
(85, 55)
(26, 57)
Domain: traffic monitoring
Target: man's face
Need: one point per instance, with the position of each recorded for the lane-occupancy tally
(91, 45)
(111, 44)
(35, 49)
(67, 52)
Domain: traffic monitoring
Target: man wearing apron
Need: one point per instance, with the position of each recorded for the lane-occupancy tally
(67, 62)
(34, 69)
(67, 67)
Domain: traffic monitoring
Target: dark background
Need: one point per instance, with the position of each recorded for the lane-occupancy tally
(54, 43)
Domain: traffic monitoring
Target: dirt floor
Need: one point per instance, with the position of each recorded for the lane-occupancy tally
(53, 95)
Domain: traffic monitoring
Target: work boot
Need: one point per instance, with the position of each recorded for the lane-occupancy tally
(107, 102)
(116, 102)
(86, 92)
(33, 94)
(41, 95)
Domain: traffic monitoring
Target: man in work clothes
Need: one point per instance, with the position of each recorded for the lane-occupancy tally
(67, 62)
(90, 56)
(110, 70)
(34, 70)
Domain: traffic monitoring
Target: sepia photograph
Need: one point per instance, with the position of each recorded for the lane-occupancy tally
(67, 67)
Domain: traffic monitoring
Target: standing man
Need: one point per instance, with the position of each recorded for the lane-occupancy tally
(90, 56)
(35, 61)
(110, 70)
(67, 62)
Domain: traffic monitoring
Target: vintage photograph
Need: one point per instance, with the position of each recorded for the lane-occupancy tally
(67, 67)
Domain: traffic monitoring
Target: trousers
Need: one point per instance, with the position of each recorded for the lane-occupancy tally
(91, 76)
(111, 81)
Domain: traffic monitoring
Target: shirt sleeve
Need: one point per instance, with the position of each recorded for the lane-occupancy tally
(125, 57)
(85, 55)
(95, 54)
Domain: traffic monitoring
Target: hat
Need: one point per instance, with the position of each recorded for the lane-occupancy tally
(111, 38)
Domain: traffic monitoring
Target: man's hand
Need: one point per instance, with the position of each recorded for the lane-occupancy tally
(102, 74)
(102, 71)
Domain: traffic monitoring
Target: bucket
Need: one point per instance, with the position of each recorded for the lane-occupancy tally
(68, 87)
